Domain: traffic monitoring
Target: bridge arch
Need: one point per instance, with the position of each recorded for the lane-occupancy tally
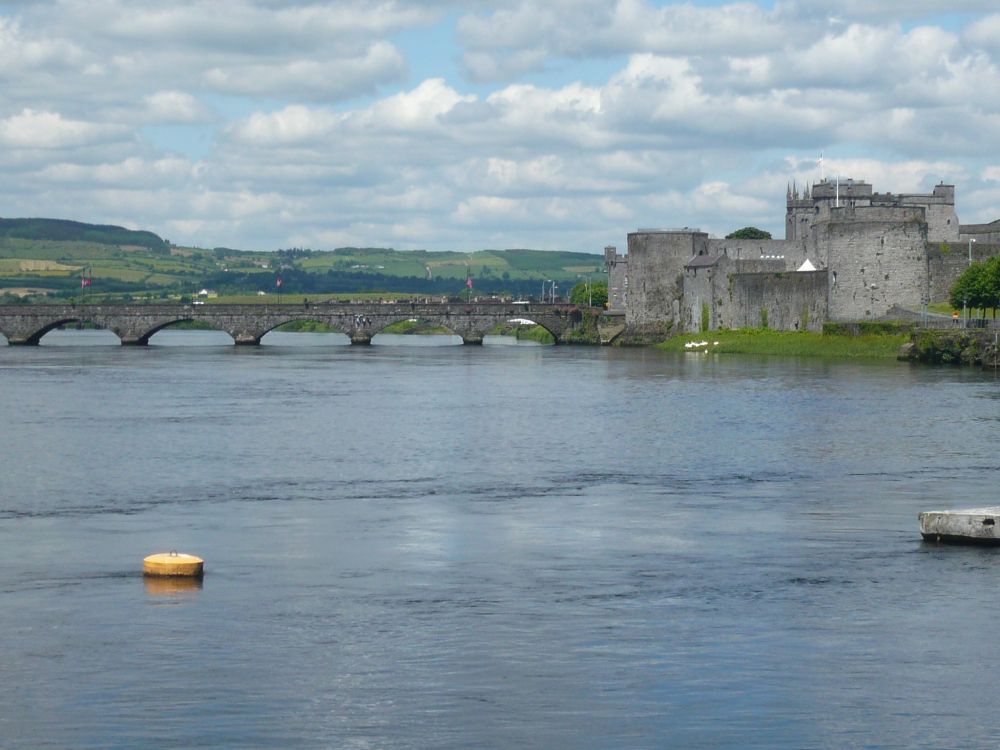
(142, 336)
(334, 330)
(38, 334)
(413, 330)
(514, 327)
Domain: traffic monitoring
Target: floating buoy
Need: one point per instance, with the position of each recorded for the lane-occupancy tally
(173, 564)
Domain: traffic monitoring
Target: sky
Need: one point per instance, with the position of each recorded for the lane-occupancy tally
(548, 124)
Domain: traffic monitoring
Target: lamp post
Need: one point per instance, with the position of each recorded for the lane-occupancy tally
(971, 240)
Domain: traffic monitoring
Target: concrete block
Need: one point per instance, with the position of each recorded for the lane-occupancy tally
(970, 526)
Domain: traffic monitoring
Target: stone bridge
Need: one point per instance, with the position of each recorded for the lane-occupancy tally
(247, 324)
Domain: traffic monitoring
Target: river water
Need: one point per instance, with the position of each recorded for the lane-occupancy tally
(490, 547)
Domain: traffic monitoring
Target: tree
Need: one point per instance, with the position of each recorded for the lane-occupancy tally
(589, 293)
(749, 233)
(978, 286)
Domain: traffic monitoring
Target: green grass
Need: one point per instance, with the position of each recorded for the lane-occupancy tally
(417, 328)
(306, 326)
(793, 344)
(523, 332)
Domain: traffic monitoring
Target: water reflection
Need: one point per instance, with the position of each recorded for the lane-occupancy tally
(75, 337)
(492, 340)
(305, 338)
(179, 337)
(404, 339)
(171, 585)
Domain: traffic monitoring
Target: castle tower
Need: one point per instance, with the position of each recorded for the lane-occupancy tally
(798, 213)
(656, 260)
(617, 267)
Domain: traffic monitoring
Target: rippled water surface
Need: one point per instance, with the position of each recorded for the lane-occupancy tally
(490, 547)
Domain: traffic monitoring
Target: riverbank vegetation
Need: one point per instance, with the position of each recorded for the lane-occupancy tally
(836, 343)
(417, 327)
(523, 332)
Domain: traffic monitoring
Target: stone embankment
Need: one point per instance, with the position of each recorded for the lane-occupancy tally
(962, 346)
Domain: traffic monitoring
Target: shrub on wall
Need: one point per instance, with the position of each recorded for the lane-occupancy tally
(763, 317)
(704, 317)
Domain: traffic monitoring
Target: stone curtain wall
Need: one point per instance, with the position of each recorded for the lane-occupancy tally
(794, 252)
(946, 261)
(793, 300)
(984, 234)
(736, 293)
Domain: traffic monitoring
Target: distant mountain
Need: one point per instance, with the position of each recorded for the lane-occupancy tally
(62, 230)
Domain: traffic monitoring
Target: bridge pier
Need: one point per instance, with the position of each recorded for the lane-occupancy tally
(361, 338)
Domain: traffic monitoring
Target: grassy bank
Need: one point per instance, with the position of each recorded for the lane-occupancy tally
(793, 343)
(417, 328)
(523, 332)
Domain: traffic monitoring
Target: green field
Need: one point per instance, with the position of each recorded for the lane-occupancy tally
(45, 259)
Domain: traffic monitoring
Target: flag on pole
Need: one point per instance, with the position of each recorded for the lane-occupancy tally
(277, 282)
(84, 281)
(468, 281)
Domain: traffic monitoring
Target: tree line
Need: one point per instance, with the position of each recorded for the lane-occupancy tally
(978, 287)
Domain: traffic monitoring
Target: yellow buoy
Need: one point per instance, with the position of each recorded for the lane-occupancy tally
(173, 564)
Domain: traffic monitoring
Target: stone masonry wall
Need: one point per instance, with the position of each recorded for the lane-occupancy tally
(877, 259)
(794, 251)
(988, 234)
(656, 262)
(793, 300)
(617, 268)
(946, 261)
(737, 292)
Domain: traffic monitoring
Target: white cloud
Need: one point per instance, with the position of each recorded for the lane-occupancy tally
(301, 124)
(328, 79)
(175, 107)
(32, 129)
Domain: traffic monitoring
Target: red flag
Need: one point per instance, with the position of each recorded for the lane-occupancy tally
(84, 282)
(277, 282)
(468, 281)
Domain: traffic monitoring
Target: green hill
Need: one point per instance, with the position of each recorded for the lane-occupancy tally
(44, 259)
(61, 230)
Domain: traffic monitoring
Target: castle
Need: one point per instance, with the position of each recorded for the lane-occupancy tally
(849, 253)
